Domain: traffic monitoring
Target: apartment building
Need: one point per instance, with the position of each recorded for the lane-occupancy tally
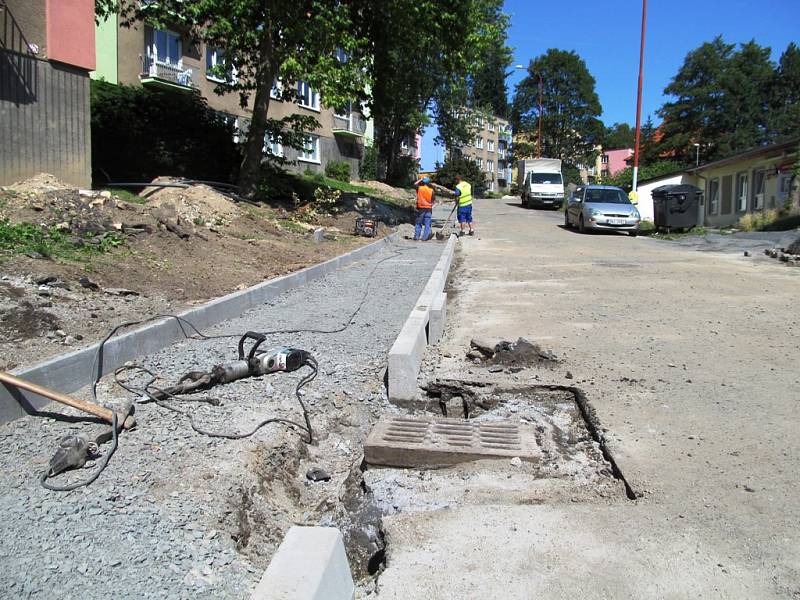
(46, 54)
(491, 150)
(168, 59)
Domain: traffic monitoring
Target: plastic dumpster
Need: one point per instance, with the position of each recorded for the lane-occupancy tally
(676, 206)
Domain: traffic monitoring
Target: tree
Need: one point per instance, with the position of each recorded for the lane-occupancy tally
(722, 102)
(423, 54)
(264, 41)
(488, 86)
(785, 105)
(467, 169)
(571, 128)
(619, 135)
(624, 178)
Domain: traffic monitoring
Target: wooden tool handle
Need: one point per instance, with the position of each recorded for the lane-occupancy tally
(88, 407)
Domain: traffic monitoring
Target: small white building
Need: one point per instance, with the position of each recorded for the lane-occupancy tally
(645, 189)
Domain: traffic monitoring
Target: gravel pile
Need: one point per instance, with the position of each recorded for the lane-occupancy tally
(181, 515)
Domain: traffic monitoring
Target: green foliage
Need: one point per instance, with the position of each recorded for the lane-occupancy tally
(487, 86)
(423, 54)
(624, 178)
(729, 100)
(292, 41)
(776, 219)
(467, 169)
(785, 105)
(368, 167)
(22, 238)
(339, 170)
(405, 171)
(619, 135)
(140, 133)
(570, 107)
(571, 174)
(127, 195)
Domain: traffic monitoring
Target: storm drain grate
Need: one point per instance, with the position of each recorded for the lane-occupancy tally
(431, 442)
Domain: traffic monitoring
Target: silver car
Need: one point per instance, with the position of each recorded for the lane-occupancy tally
(601, 207)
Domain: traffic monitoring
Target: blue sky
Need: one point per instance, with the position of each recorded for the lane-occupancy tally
(606, 35)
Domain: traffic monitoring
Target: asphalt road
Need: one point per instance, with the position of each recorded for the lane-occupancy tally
(691, 360)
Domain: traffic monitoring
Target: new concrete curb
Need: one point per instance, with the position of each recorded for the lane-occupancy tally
(310, 564)
(424, 326)
(70, 372)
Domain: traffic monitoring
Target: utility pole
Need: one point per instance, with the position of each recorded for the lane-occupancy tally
(639, 101)
(539, 134)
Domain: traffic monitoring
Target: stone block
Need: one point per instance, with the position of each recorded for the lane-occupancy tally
(310, 564)
(437, 318)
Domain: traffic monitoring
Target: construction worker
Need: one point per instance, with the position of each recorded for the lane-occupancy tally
(464, 199)
(425, 199)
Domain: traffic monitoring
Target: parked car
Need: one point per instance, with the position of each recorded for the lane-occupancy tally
(601, 207)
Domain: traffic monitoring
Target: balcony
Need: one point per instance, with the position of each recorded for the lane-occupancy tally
(165, 75)
(505, 136)
(350, 125)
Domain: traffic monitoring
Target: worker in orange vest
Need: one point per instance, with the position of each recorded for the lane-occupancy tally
(425, 200)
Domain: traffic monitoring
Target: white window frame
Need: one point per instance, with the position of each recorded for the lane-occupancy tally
(272, 147)
(758, 197)
(479, 142)
(214, 55)
(304, 155)
(490, 145)
(742, 191)
(276, 90)
(490, 166)
(490, 125)
(713, 198)
(303, 90)
(153, 48)
(479, 161)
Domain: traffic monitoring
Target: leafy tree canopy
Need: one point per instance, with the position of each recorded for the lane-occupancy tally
(624, 178)
(571, 128)
(619, 135)
(262, 41)
(464, 167)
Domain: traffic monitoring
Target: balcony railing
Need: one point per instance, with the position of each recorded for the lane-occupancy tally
(172, 75)
(350, 125)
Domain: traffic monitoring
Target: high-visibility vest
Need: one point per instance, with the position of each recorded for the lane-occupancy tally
(424, 197)
(465, 199)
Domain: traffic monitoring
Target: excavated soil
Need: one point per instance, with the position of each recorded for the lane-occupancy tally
(172, 248)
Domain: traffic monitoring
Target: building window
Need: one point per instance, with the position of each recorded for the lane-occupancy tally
(713, 196)
(490, 166)
(479, 161)
(272, 146)
(490, 145)
(216, 58)
(307, 97)
(741, 192)
(166, 47)
(759, 178)
(479, 142)
(341, 55)
(310, 151)
(604, 159)
(490, 125)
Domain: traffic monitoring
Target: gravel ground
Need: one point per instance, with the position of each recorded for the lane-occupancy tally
(180, 515)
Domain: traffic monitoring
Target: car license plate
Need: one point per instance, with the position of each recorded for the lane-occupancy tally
(616, 221)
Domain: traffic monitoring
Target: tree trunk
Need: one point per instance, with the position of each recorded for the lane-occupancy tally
(250, 172)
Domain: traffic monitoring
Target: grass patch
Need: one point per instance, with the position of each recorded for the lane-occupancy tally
(775, 219)
(27, 238)
(127, 196)
(290, 225)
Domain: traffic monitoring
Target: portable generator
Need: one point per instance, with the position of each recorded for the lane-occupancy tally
(366, 227)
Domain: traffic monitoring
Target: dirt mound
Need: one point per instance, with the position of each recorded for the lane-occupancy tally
(794, 247)
(43, 182)
(198, 204)
(385, 189)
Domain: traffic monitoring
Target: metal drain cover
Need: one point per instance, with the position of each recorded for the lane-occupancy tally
(435, 442)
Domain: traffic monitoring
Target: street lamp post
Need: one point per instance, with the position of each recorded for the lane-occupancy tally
(697, 155)
(639, 101)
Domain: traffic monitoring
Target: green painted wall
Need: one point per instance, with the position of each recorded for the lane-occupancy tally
(106, 50)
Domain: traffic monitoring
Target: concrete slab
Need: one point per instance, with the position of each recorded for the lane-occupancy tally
(407, 442)
(437, 318)
(310, 564)
(405, 356)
